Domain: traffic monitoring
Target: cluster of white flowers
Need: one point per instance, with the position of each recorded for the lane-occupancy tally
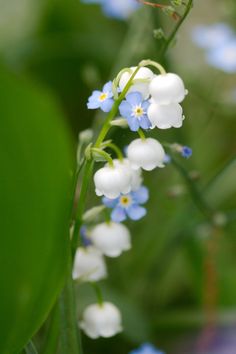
(150, 101)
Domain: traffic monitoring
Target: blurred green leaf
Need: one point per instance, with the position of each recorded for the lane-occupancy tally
(223, 185)
(35, 186)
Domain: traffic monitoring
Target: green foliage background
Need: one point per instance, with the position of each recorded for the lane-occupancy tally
(68, 49)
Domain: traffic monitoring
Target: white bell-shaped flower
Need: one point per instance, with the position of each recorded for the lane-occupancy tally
(147, 154)
(89, 264)
(111, 181)
(144, 74)
(167, 88)
(111, 238)
(165, 116)
(101, 320)
(136, 175)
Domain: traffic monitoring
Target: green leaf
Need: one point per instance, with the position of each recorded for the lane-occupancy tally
(35, 187)
(223, 186)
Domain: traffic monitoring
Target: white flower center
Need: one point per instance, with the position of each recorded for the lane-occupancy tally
(125, 200)
(103, 96)
(138, 111)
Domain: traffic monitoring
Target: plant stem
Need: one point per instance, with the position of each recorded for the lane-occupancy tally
(30, 348)
(69, 336)
(141, 134)
(172, 35)
(51, 341)
(116, 150)
(197, 197)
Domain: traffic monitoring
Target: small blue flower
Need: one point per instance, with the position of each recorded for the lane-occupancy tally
(167, 159)
(186, 152)
(102, 99)
(146, 348)
(223, 57)
(120, 9)
(128, 205)
(212, 36)
(84, 236)
(134, 109)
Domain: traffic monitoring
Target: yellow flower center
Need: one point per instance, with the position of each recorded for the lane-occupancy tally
(138, 111)
(102, 97)
(125, 200)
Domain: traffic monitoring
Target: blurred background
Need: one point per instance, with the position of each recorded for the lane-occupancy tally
(176, 288)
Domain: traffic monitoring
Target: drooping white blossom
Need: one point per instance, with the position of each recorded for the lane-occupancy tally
(89, 264)
(147, 154)
(165, 116)
(167, 88)
(111, 181)
(111, 238)
(101, 320)
(144, 74)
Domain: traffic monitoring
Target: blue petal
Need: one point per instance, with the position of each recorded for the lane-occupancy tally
(134, 98)
(93, 101)
(118, 214)
(146, 348)
(136, 212)
(145, 105)
(110, 203)
(145, 122)
(133, 123)
(107, 88)
(125, 109)
(106, 105)
(141, 195)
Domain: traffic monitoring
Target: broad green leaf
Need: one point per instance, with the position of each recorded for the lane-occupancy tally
(35, 186)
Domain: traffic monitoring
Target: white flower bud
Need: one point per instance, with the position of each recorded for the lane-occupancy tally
(167, 88)
(165, 116)
(142, 87)
(89, 264)
(111, 238)
(101, 320)
(147, 154)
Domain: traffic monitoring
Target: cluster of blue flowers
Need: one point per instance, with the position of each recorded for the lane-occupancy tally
(219, 41)
(119, 9)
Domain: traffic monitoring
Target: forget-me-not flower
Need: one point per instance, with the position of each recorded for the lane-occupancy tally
(212, 36)
(102, 99)
(119, 9)
(186, 151)
(128, 205)
(134, 109)
(146, 348)
(223, 57)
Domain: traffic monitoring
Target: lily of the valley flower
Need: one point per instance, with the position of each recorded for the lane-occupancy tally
(167, 88)
(89, 264)
(110, 181)
(111, 238)
(145, 76)
(101, 320)
(147, 154)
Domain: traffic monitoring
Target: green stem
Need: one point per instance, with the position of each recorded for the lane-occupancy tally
(88, 169)
(175, 30)
(51, 342)
(104, 154)
(69, 336)
(30, 348)
(117, 150)
(98, 293)
(154, 64)
(197, 197)
(141, 134)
